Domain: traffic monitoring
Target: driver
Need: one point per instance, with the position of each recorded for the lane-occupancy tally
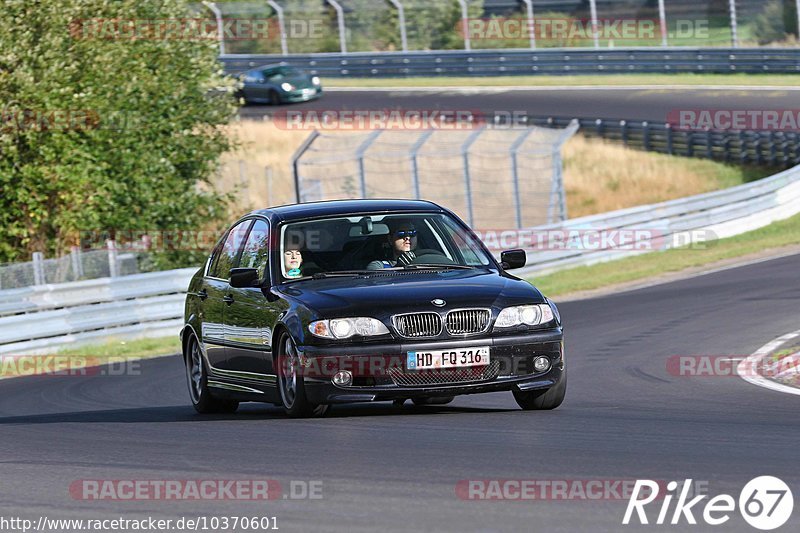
(403, 241)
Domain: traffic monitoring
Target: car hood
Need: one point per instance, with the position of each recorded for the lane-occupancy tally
(299, 82)
(383, 294)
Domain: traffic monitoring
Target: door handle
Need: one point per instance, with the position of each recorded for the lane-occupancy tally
(228, 299)
(202, 294)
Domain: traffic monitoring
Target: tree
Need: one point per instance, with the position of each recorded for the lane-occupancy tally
(111, 122)
(775, 22)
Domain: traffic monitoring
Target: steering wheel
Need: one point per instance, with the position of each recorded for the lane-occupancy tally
(432, 257)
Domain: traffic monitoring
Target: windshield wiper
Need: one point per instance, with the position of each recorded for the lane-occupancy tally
(438, 267)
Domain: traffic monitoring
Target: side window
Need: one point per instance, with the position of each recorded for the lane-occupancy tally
(256, 249)
(226, 257)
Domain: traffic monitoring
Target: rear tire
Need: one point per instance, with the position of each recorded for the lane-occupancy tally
(543, 400)
(291, 384)
(197, 379)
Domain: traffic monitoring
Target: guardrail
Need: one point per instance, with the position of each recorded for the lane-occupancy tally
(685, 221)
(519, 62)
(776, 148)
(36, 319)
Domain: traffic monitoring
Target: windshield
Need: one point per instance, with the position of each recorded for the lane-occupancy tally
(289, 72)
(377, 242)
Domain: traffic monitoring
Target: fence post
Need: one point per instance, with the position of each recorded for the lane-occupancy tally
(668, 127)
(340, 20)
(467, 179)
(599, 127)
(113, 267)
(465, 25)
(401, 19)
(662, 17)
(362, 173)
(593, 8)
(38, 268)
(296, 164)
(623, 124)
(77, 262)
(515, 174)
(220, 26)
(532, 26)
(646, 135)
(281, 25)
(414, 167)
(734, 25)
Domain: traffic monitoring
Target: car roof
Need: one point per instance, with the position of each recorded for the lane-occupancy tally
(346, 208)
(271, 65)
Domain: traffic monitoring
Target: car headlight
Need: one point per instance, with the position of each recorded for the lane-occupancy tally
(287, 86)
(529, 315)
(315, 80)
(343, 328)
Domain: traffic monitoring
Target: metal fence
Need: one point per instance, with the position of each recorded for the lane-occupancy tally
(346, 26)
(491, 176)
(78, 265)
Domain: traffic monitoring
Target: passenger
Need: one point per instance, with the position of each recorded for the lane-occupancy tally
(292, 261)
(402, 239)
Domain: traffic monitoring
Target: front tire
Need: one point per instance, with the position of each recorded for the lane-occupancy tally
(543, 400)
(291, 384)
(197, 379)
(274, 97)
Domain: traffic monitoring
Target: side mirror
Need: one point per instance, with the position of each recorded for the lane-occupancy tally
(513, 259)
(243, 277)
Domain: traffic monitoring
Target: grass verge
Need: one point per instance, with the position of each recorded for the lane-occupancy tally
(776, 235)
(622, 80)
(131, 349)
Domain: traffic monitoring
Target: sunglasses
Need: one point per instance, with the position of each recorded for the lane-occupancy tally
(404, 234)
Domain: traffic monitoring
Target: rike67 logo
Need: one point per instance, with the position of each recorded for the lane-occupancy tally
(765, 503)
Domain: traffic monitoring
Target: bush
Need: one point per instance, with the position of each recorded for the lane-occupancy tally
(103, 133)
(775, 22)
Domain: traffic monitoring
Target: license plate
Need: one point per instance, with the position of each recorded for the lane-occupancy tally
(462, 357)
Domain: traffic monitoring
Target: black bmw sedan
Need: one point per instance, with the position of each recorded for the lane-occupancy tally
(313, 304)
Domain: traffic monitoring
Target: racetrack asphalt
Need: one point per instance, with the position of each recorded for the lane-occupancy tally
(389, 469)
(653, 104)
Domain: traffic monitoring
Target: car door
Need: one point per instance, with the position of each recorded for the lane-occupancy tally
(253, 88)
(215, 293)
(251, 318)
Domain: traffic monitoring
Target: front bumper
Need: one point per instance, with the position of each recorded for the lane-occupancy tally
(372, 382)
(302, 95)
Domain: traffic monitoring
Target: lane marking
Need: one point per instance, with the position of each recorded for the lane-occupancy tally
(754, 361)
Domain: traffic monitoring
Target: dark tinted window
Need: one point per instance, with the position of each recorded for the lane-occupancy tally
(226, 257)
(256, 249)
